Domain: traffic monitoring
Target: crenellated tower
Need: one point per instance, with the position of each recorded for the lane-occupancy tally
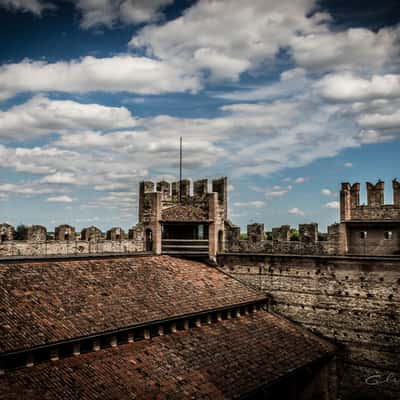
(372, 228)
(176, 222)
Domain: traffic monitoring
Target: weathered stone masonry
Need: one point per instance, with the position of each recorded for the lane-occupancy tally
(353, 301)
(175, 222)
(34, 241)
(371, 229)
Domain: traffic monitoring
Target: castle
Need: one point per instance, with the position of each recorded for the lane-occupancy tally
(179, 218)
(118, 308)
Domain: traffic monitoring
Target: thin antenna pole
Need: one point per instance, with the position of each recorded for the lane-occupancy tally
(180, 169)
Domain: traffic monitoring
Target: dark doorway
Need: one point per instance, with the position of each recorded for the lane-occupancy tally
(3, 238)
(185, 231)
(149, 240)
(220, 241)
(66, 236)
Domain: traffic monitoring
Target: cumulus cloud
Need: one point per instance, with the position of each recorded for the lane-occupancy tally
(34, 6)
(351, 48)
(296, 211)
(63, 178)
(225, 43)
(27, 189)
(60, 199)
(332, 204)
(216, 34)
(348, 165)
(300, 180)
(256, 204)
(123, 73)
(326, 192)
(273, 192)
(350, 87)
(110, 12)
(379, 121)
(42, 116)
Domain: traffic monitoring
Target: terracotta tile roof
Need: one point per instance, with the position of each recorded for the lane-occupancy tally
(45, 302)
(219, 361)
(184, 213)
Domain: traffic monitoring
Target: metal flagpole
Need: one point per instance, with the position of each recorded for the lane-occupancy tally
(180, 170)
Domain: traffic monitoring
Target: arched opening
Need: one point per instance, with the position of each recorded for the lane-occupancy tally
(149, 240)
(3, 237)
(66, 236)
(220, 241)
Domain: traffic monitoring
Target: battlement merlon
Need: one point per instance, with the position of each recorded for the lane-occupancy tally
(170, 192)
(375, 209)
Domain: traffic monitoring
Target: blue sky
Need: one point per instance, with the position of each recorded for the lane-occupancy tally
(287, 99)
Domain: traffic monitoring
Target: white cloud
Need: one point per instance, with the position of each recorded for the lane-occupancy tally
(33, 6)
(332, 204)
(271, 193)
(60, 199)
(216, 34)
(27, 189)
(42, 116)
(295, 73)
(61, 178)
(110, 12)
(326, 192)
(123, 73)
(224, 42)
(354, 47)
(300, 180)
(296, 211)
(379, 121)
(349, 87)
(256, 204)
(348, 165)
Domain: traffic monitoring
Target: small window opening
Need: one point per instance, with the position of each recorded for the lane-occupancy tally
(363, 234)
(388, 235)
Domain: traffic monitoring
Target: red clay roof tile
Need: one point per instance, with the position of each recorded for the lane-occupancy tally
(45, 302)
(222, 360)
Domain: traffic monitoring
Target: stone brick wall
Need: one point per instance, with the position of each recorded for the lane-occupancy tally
(377, 240)
(255, 233)
(384, 212)
(353, 301)
(58, 247)
(64, 232)
(375, 209)
(34, 233)
(7, 232)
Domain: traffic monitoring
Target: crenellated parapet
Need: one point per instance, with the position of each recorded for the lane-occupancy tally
(92, 234)
(181, 211)
(64, 232)
(34, 233)
(375, 209)
(170, 194)
(115, 233)
(7, 232)
(308, 233)
(255, 232)
(281, 234)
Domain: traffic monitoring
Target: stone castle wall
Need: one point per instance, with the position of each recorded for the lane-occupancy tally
(308, 242)
(58, 247)
(353, 301)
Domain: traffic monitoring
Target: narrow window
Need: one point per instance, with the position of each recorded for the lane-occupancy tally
(389, 235)
(363, 234)
(200, 232)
